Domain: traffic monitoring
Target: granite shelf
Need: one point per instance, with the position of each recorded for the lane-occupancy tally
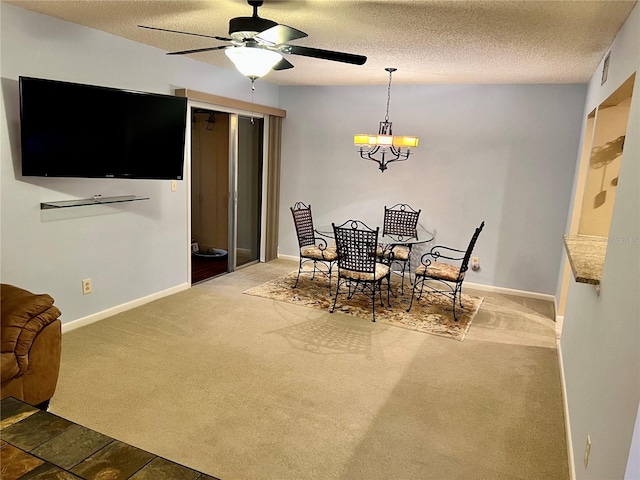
(97, 200)
(586, 255)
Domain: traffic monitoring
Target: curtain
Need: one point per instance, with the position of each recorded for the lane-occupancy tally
(273, 187)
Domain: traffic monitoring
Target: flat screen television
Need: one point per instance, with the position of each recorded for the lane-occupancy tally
(76, 130)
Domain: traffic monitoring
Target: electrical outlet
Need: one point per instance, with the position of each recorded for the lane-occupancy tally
(174, 185)
(587, 452)
(86, 286)
(475, 263)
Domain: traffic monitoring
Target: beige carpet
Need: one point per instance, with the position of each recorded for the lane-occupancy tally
(430, 314)
(245, 388)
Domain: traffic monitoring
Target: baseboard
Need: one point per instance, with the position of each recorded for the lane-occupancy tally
(567, 424)
(559, 326)
(509, 291)
(288, 257)
(81, 322)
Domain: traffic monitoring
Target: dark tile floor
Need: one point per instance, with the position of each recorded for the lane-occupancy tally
(35, 444)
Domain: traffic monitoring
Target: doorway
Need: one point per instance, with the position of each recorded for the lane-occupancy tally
(226, 192)
(209, 194)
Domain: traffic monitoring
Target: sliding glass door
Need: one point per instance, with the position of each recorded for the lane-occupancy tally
(226, 191)
(248, 189)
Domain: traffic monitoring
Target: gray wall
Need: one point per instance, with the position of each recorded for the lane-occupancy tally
(137, 252)
(601, 334)
(504, 154)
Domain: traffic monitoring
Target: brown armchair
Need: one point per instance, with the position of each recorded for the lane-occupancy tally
(30, 345)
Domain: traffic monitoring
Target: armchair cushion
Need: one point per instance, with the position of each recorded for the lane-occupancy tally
(381, 271)
(328, 254)
(440, 270)
(398, 252)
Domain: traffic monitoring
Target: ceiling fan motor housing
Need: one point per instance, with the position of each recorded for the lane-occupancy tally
(247, 27)
(265, 38)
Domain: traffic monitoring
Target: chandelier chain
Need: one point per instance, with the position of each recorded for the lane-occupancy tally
(386, 117)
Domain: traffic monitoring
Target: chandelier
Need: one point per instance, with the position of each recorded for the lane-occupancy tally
(388, 147)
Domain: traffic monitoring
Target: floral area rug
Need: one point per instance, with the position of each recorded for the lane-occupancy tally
(431, 314)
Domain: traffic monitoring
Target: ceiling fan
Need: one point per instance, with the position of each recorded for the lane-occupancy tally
(257, 45)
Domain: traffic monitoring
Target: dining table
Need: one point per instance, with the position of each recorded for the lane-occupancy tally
(422, 235)
(388, 241)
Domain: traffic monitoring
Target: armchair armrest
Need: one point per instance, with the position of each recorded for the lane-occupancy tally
(319, 242)
(23, 316)
(328, 253)
(440, 251)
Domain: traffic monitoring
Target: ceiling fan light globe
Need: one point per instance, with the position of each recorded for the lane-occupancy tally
(253, 62)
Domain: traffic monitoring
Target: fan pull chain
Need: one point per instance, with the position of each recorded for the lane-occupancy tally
(253, 89)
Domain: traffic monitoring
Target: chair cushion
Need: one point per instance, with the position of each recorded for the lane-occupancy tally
(441, 271)
(381, 272)
(399, 252)
(329, 254)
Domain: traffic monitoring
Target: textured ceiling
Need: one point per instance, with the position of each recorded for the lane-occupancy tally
(428, 41)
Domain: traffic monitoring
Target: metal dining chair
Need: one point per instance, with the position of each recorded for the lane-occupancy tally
(312, 249)
(400, 221)
(358, 268)
(448, 274)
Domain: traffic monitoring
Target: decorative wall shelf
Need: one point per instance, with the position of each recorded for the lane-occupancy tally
(96, 200)
(586, 255)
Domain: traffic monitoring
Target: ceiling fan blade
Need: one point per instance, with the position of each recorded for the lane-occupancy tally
(282, 65)
(325, 54)
(223, 39)
(198, 50)
(280, 34)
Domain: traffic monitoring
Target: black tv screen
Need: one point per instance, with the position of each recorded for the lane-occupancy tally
(75, 130)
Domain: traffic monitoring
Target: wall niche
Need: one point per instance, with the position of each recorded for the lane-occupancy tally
(587, 241)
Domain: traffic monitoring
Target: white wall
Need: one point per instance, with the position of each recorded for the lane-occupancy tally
(137, 252)
(601, 334)
(504, 154)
